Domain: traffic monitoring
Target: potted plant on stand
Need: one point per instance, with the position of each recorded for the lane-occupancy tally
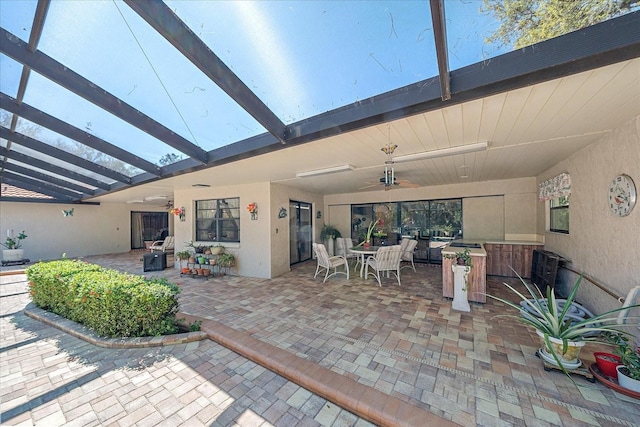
(182, 255)
(460, 274)
(13, 253)
(328, 234)
(562, 333)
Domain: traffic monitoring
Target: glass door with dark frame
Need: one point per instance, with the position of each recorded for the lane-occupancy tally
(300, 227)
(147, 227)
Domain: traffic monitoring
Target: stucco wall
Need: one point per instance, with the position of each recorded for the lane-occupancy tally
(279, 229)
(604, 246)
(92, 230)
(252, 253)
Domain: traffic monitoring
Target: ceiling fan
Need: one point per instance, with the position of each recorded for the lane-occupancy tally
(389, 179)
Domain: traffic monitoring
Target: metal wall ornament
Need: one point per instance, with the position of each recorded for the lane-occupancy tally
(253, 210)
(67, 213)
(282, 213)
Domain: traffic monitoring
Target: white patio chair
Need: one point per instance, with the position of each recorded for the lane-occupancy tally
(327, 263)
(342, 248)
(166, 245)
(387, 258)
(408, 246)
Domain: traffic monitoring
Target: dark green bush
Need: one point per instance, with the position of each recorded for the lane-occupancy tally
(111, 303)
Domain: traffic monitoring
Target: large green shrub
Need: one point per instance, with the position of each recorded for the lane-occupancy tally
(111, 303)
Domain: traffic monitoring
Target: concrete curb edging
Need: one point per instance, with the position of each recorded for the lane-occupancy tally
(86, 334)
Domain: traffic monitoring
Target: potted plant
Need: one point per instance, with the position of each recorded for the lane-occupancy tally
(562, 335)
(217, 249)
(629, 353)
(182, 255)
(462, 258)
(607, 363)
(226, 260)
(366, 240)
(329, 233)
(13, 245)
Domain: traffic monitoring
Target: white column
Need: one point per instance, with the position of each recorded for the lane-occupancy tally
(460, 273)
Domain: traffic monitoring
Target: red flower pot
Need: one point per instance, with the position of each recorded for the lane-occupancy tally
(607, 363)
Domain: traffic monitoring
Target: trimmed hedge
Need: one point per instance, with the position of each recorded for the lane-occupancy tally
(111, 303)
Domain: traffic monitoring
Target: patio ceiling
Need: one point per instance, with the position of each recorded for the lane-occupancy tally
(534, 107)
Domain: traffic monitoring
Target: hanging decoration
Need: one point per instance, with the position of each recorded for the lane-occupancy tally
(253, 210)
(558, 186)
(179, 212)
(282, 213)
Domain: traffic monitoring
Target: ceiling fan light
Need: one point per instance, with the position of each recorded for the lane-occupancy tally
(452, 151)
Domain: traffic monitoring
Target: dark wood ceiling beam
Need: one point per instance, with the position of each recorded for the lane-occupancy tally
(17, 49)
(170, 26)
(48, 178)
(442, 53)
(41, 186)
(59, 154)
(43, 119)
(57, 170)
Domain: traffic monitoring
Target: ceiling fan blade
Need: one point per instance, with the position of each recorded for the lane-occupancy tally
(407, 183)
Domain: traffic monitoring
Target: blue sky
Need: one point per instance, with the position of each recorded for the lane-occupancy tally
(301, 58)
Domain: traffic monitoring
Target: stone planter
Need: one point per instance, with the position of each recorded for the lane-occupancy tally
(13, 254)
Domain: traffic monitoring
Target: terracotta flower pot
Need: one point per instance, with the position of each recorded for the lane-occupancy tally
(607, 363)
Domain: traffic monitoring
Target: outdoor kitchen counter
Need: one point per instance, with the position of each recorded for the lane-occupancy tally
(477, 278)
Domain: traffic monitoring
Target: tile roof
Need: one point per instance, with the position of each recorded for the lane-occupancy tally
(7, 190)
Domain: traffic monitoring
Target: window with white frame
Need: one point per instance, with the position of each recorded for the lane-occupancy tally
(557, 191)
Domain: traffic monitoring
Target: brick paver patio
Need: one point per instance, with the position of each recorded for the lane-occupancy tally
(405, 342)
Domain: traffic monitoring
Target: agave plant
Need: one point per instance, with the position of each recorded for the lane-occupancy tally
(552, 321)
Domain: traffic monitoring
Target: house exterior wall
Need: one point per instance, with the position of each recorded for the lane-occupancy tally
(520, 204)
(252, 253)
(92, 230)
(279, 227)
(600, 244)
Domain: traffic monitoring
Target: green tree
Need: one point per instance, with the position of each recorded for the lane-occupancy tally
(169, 158)
(525, 22)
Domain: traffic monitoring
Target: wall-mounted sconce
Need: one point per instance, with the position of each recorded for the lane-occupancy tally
(282, 213)
(319, 215)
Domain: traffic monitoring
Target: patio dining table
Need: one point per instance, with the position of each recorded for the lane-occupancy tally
(363, 253)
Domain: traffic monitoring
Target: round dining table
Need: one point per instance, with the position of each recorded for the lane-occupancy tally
(363, 253)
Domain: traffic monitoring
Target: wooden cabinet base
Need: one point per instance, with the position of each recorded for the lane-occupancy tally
(476, 280)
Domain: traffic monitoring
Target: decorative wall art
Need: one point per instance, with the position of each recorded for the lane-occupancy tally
(179, 212)
(282, 213)
(253, 210)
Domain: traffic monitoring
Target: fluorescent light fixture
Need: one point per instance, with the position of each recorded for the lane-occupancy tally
(130, 202)
(150, 198)
(332, 169)
(460, 149)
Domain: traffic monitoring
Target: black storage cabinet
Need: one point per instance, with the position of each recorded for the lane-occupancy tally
(155, 261)
(544, 268)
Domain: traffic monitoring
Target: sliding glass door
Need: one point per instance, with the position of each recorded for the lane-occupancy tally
(300, 228)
